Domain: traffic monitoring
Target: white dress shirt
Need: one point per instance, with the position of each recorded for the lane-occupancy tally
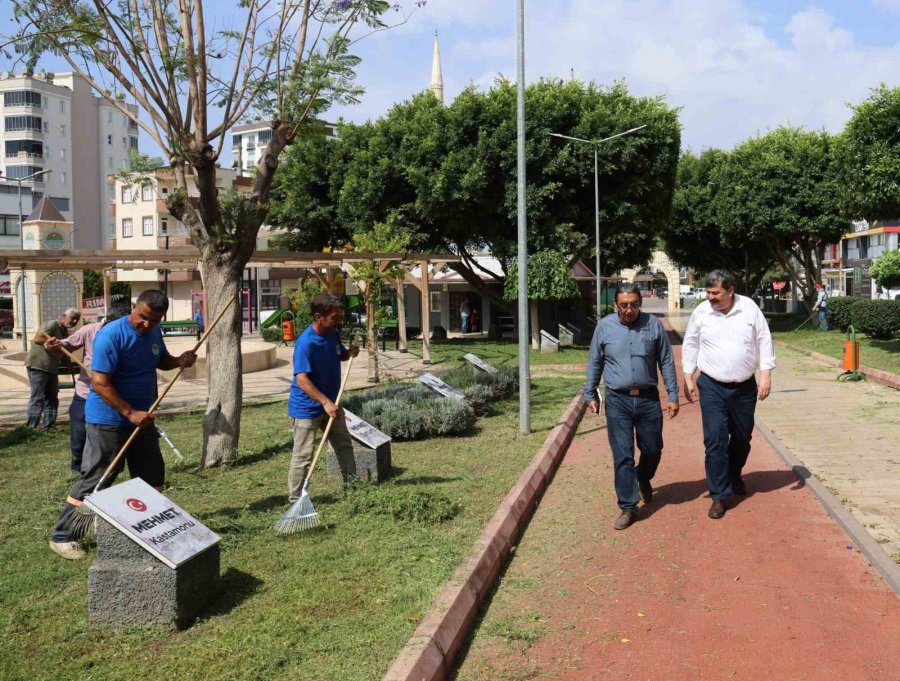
(727, 347)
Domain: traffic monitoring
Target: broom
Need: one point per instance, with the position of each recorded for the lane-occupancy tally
(302, 514)
(81, 522)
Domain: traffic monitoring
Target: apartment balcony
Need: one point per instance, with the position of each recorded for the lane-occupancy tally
(23, 156)
(174, 242)
(181, 275)
(13, 135)
(161, 207)
(23, 110)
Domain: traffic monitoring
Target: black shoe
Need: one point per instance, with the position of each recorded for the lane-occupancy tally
(716, 509)
(646, 490)
(738, 487)
(625, 519)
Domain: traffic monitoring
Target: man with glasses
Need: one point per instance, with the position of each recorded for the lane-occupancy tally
(727, 339)
(626, 350)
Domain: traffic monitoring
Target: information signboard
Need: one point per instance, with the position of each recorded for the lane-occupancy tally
(154, 522)
(365, 432)
(480, 363)
(439, 386)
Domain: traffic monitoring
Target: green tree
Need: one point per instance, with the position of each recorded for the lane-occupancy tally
(886, 270)
(694, 236)
(93, 285)
(193, 80)
(780, 190)
(549, 278)
(450, 173)
(868, 153)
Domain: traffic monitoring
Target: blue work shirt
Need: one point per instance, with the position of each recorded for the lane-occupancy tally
(130, 358)
(626, 356)
(319, 357)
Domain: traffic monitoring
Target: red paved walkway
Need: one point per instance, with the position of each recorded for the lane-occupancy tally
(775, 590)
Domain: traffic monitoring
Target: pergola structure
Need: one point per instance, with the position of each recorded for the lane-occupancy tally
(188, 259)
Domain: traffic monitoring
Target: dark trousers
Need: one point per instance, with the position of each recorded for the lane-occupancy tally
(77, 432)
(101, 446)
(44, 398)
(727, 410)
(629, 418)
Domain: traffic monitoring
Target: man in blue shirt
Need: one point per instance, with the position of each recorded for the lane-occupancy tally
(126, 354)
(626, 349)
(318, 354)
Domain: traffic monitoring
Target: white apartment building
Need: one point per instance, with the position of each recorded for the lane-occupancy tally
(142, 222)
(249, 139)
(55, 122)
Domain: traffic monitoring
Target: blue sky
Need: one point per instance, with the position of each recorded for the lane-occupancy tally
(736, 67)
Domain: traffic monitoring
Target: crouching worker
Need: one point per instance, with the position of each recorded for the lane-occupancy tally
(126, 355)
(318, 354)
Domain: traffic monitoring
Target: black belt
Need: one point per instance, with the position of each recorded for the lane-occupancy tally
(716, 380)
(652, 391)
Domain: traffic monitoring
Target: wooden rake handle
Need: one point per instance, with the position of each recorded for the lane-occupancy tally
(165, 391)
(315, 460)
(76, 360)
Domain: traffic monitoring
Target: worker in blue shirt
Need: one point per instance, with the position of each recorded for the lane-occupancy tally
(318, 354)
(626, 350)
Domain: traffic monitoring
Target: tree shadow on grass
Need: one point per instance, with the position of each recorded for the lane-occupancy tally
(262, 455)
(422, 480)
(21, 435)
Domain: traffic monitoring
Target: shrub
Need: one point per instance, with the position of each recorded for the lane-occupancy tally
(272, 334)
(839, 311)
(878, 319)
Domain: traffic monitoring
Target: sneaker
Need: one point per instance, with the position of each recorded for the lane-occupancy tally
(70, 550)
(626, 517)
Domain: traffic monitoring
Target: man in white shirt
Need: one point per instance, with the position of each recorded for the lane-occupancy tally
(727, 339)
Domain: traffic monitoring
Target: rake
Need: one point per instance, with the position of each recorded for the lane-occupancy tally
(81, 522)
(302, 515)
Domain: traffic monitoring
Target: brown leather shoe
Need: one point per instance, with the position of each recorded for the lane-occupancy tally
(738, 486)
(646, 490)
(716, 509)
(625, 519)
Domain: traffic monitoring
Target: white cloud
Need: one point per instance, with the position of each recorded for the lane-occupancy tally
(890, 5)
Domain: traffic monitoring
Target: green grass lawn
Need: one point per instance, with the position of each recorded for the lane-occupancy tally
(497, 353)
(877, 354)
(334, 603)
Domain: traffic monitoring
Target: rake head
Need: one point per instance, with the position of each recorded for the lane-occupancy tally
(82, 523)
(300, 516)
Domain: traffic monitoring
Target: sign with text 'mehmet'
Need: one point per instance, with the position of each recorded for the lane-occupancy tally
(365, 432)
(154, 522)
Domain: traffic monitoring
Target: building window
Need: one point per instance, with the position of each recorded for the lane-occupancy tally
(22, 98)
(133, 143)
(62, 154)
(109, 139)
(127, 228)
(61, 203)
(165, 190)
(62, 129)
(18, 172)
(164, 226)
(264, 136)
(46, 126)
(62, 177)
(126, 194)
(112, 162)
(62, 106)
(270, 290)
(23, 149)
(109, 116)
(9, 225)
(17, 123)
(147, 226)
(146, 193)
(435, 301)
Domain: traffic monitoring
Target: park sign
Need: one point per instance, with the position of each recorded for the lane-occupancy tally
(440, 387)
(365, 432)
(154, 522)
(480, 363)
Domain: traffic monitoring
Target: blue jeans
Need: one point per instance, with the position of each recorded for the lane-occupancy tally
(823, 319)
(464, 318)
(727, 410)
(77, 432)
(629, 418)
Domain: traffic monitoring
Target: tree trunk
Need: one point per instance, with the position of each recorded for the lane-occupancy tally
(222, 421)
(401, 316)
(535, 326)
(371, 334)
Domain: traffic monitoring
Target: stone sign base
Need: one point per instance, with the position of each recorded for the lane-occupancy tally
(127, 586)
(372, 465)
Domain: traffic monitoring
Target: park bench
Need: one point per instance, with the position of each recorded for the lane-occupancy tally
(180, 328)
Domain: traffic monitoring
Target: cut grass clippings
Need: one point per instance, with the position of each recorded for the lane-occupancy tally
(877, 354)
(336, 602)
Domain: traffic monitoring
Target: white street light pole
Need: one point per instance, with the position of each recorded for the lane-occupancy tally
(595, 143)
(22, 307)
(524, 373)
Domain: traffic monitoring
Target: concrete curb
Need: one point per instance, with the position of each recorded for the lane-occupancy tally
(428, 654)
(877, 375)
(880, 560)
